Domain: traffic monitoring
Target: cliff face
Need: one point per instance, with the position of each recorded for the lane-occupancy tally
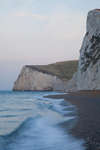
(52, 77)
(87, 76)
(31, 79)
(88, 73)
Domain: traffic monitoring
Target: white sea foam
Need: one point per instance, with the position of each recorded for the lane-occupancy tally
(35, 123)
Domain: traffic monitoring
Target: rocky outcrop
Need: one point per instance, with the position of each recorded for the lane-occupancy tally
(88, 73)
(87, 76)
(32, 79)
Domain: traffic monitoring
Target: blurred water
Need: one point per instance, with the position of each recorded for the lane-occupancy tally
(28, 121)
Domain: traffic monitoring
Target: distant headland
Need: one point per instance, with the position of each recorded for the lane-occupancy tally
(58, 76)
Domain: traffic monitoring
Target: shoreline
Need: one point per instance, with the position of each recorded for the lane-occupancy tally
(88, 125)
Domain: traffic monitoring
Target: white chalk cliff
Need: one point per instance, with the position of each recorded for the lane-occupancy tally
(31, 79)
(87, 76)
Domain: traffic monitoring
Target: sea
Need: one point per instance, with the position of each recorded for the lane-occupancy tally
(30, 121)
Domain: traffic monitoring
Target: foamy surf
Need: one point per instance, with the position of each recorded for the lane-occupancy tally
(37, 122)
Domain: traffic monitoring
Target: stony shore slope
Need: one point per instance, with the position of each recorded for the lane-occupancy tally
(88, 125)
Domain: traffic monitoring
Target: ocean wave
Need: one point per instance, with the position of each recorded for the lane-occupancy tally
(39, 123)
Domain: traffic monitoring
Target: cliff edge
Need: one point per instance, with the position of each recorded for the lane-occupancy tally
(53, 77)
(58, 78)
(87, 76)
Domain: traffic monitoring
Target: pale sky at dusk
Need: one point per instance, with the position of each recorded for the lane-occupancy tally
(37, 32)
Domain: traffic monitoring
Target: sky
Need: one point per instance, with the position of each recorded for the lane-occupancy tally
(40, 32)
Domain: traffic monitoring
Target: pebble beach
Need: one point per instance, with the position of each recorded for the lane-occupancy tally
(88, 125)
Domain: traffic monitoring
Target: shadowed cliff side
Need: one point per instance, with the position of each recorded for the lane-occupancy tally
(88, 75)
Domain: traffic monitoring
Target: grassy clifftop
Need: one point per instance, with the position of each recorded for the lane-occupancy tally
(64, 70)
